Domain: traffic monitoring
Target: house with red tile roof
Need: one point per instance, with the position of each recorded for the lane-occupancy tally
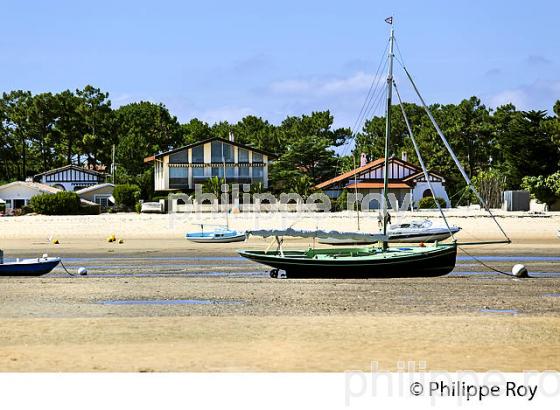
(404, 178)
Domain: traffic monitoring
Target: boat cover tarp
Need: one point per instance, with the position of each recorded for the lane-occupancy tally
(303, 233)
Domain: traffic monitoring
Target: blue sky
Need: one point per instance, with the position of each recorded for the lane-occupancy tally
(222, 60)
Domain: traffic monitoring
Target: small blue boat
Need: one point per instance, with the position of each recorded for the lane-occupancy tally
(219, 235)
(29, 267)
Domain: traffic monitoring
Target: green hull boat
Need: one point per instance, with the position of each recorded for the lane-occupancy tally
(365, 262)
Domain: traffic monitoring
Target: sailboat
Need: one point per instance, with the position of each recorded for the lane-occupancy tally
(221, 234)
(377, 261)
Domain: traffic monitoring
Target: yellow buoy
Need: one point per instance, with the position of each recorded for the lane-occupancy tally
(55, 242)
(121, 240)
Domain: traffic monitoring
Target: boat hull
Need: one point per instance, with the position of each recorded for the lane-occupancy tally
(238, 238)
(410, 262)
(29, 267)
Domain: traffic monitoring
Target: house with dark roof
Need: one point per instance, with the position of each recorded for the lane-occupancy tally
(404, 178)
(70, 177)
(185, 167)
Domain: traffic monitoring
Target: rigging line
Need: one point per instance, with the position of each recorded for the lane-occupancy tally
(365, 105)
(401, 60)
(424, 170)
(374, 80)
(361, 119)
(450, 150)
(380, 88)
(382, 96)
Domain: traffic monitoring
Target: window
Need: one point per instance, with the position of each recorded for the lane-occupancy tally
(101, 200)
(8, 203)
(258, 174)
(198, 154)
(198, 175)
(257, 157)
(230, 172)
(228, 152)
(178, 172)
(243, 172)
(218, 172)
(178, 177)
(221, 152)
(179, 157)
(18, 203)
(243, 155)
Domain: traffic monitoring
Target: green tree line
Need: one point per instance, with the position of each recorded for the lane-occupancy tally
(42, 131)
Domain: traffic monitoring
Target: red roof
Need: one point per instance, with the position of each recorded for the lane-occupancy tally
(404, 183)
(350, 173)
(375, 185)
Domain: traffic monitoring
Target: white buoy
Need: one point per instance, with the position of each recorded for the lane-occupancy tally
(82, 271)
(520, 271)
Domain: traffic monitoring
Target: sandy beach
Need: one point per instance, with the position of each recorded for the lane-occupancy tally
(213, 311)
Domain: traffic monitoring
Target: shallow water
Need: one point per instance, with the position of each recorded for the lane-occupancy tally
(508, 311)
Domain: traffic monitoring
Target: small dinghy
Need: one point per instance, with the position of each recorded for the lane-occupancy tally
(29, 267)
(219, 235)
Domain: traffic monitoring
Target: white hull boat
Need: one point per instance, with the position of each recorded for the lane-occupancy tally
(413, 232)
(217, 236)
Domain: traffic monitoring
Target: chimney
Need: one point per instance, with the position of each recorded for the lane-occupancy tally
(404, 156)
(363, 159)
(231, 137)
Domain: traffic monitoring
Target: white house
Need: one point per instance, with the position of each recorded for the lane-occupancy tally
(404, 178)
(70, 178)
(183, 168)
(101, 194)
(19, 193)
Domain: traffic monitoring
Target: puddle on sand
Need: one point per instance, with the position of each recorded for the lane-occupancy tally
(552, 295)
(510, 311)
(171, 302)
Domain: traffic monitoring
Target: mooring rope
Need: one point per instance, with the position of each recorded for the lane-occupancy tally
(486, 265)
(66, 270)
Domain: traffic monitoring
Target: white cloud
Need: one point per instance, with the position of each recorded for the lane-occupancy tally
(357, 82)
(517, 97)
(539, 95)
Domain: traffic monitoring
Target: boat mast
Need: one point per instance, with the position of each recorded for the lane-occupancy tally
(225, 183)
(388, 129)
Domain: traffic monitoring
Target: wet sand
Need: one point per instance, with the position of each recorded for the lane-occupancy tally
(225, 314)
